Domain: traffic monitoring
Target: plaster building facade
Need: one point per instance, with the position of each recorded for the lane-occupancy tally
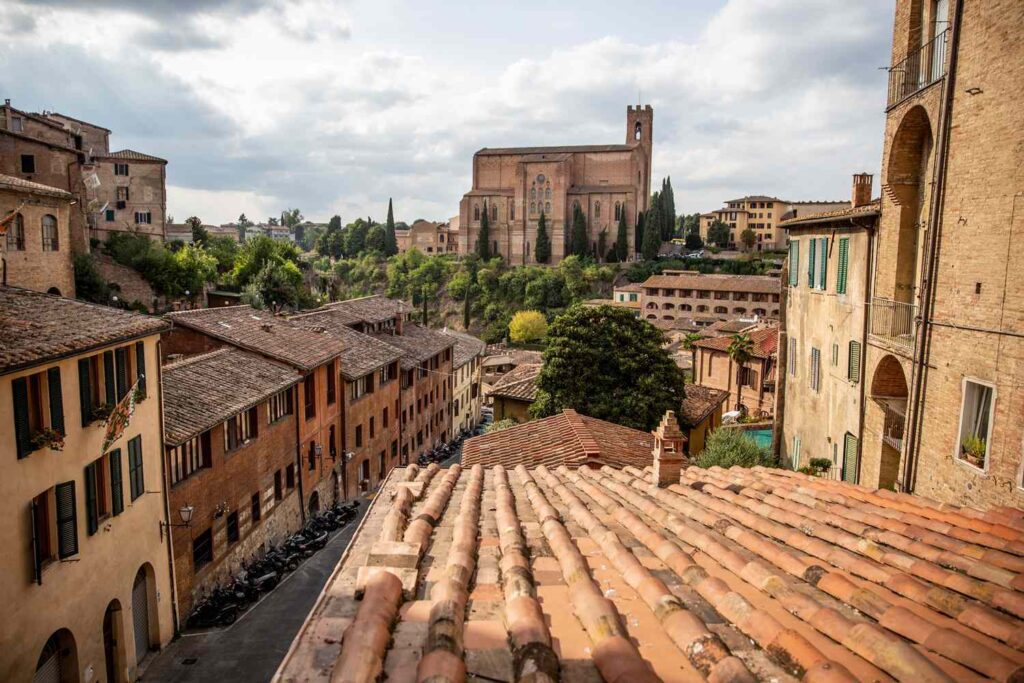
(230, 446)
(36, 249)
(429, 237)
(83, 511)
(515, 392)
(516, 184)
(753, 385)
(946, 334)
(677, 294)
(827, 298)
(467, 370)
(762, 214)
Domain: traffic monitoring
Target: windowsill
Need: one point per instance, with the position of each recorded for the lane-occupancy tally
(971, 467)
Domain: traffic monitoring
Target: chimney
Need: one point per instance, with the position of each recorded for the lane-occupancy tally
(266, 327)
(861, 189)
(668, 452)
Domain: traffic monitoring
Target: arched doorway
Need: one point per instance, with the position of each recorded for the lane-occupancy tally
(140, 614)
(58, 660)
(113, 644)
(906, 177)
(889, 393)
(54, 291)
(314, 503)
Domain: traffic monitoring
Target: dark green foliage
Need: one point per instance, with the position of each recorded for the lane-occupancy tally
(542, 250)
(652, 233)
(718, 234)
(638, 233)
(633, 388)
(638, 272)
(622, 238)
(224, 249)
(579, 243)
(729, 446)
(668, 210)
(749, 238)
(390, 240)
(377, 239)
(355, 237)
(332, 241)
(483, 241)
(602, 244)
(169, 273)
(89, 284)
(257, 253)
(199, 233)
(693, 241)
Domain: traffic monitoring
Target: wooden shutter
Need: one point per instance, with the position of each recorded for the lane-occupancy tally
(792, 356)
(136, 476)
(85, 390)
(815, 368)
(140, 368)
(116, 488)
(92, 521)
(810, 263)
(109, 386)
(67, 520)
(121, 355)
(56, 400)
(254, 422)
(844, 259)
(794, 263)
(22, 426)
(851, 459)
(853, 366)
(823, 268)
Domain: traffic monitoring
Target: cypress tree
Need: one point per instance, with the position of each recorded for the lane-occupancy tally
(602, 245)
(622, 239)
(542, 250)
(483, 241)
(668, 205)
(652, 233)
(390, 241)
(580, 244)
(638, 233)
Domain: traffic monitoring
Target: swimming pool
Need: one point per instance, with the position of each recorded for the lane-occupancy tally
(762, 437)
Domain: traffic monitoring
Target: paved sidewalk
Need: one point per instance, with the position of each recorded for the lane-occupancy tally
(252, 648)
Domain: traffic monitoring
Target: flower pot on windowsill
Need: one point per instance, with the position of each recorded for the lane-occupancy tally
(101, 412)
(973, 458)
(48, 438)
(972, 450)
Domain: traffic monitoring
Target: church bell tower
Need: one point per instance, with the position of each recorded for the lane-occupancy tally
(640, 131)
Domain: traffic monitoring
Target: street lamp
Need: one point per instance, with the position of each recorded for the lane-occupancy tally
(185, 513)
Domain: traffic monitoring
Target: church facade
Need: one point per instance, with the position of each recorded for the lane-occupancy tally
(515, 184)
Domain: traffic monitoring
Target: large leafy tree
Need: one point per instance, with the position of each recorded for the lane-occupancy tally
(637, 382)
(199, 233)
(390, 240)
(652, 233)
(483, 240)
(257, 253)
(355, 237)
(749, 238)
(332, 241)
(622, 238)
(740, 350)
(579, 243)
(377, 239)
(542, 250)
(527, 326)
(718, 234)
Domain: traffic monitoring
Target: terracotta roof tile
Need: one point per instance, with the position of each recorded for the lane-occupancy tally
(363, 353)
(130, 155)
(9, 182)
(36, 327)
(368, 309)
(519, 383)
(716, 282)
(700, 401)
(558, 149)
(201, 391)
(871, 209)
(416, 343)
(467, 347)
(766, 341)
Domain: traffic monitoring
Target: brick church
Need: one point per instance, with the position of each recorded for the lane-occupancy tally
(515, 184)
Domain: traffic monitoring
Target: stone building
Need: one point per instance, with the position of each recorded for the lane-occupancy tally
(36, 250)
(130, 195)
(429, 237)
(516, 184)
(513, 394)
(677, 294)
(467, 371)
(829, 278)
(230, 444)
(753, 385)
(762, 214)
(946, 331)
(87, 591)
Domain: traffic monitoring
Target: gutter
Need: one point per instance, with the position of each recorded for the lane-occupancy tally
(166, 482)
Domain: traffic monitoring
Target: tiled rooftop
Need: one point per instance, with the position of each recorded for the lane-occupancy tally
(729, 575)
(765, 342)
(15, 184)
(728, 327)
(699, 402)
(368, 309)
(416, 343)
(467, 347)
(363, 353)
(36, 327)
(519, 383)
(262, 332)
(564, 439)
(866, 211)
(716, 282)
(203, 390)
(130, 155)
(558, 149)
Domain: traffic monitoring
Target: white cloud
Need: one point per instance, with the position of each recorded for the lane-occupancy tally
(221, 206)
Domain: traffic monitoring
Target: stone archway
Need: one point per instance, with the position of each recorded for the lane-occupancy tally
(906, 180)
(889, 394)
(58, 660)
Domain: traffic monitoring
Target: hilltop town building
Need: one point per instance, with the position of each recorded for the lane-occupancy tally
(515, 185)
(676, 294)
(36, 250)
(467, 368)
(751, 386)
(429, 237)
(761, 214)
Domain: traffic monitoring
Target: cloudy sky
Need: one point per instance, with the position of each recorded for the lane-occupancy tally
(332, 106)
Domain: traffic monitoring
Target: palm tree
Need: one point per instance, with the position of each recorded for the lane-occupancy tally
(740, 350)
(690, 344)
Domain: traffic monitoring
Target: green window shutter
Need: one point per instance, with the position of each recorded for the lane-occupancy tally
(92, 515)
(116, 488)
(815, 369)
(823, 269)
(121, 356)
(22, 428)
(794, 263)
(844, 258)
(56, 400)
(136, 478)
(85, 390)
(851, 459)
(110, 390)
(67, 520)
(810, 263)
(140, 368)
(853, 365)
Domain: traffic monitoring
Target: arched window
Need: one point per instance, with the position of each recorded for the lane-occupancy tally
(668, 317)
(476, 212)
(547, 192)
(512, 210)
(533, 208)
(702, 308)
(533, 193)
(721, 310)
(494, 212)
(637, 131)
(597, 209)
(16, 234)
(50, 240)
(652, 317)
(739, 310)
(618, 211)
(685, 307)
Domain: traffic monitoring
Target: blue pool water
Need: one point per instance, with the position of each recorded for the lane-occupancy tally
(762, 437)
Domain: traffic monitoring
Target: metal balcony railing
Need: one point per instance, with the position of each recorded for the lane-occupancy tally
(922, 67)
(894, 321)
(895, 417)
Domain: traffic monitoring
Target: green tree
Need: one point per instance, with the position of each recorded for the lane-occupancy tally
(634, 388)
(622, 239)
(331, 241)
(542, 250)
(224, 250)
(377, 239)
(243, 223)
(638, 232)
(729, 446)
(355, 237)
(668, 210)
(199, 233)
(390, 241)
(718, 234)
(749, 238)
(291, 218)
(483, 240)
(652, 233)
(690, 344)
(602, 244)
(89, 284)
(527, 326)
(194, 267)
(258, 252)
(579, 244)
(278, 285)
(740, 350)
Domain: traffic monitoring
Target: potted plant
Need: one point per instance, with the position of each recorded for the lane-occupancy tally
(972, 449)
(820, 466)
(101, 411)
(48, 437)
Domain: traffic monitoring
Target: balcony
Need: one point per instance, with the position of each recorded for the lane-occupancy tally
(894, 322)
(895, 411)
(922, 67)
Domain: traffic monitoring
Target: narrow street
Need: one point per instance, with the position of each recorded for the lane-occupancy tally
(252, 647)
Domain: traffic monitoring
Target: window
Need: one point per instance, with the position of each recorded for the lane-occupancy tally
(533, 193)
(361, 387)
(255, 509)
(597, 209)
(28, 163)
(815, 370)
(311, 456)
(547, 207)
(122, 194)
(844, 262)
(975, 423)
(136, 476)
(309, 394)
(835, 355)
(387, 373)
(359, 435)
(16, 234)
(851, 458)
(494, 212)
(241, 429)
(202, 549)
(97, 501)
(17, 124)
(332, 383)
(289, 476)
(109, 215)
(853, 363)
(143, 217)
(384, 418)
(279, 405)
(810, 263)
(278, 490)
(233, 528)
(823, 267)
(511, 211)
(190, 457)
(121, 169)
(618, 210)
(533, 208)
(51, 240)
(32, 395)
(476, 212)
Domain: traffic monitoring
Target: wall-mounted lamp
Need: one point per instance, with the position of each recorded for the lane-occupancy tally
(185, 513)
(221, 509)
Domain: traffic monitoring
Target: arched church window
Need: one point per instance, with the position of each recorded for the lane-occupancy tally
(476, 212)
(494, 212)
(547, 207)
(547, 192)
(533, 193)
(597, 209)
(618, 210)
(533, 208)
(637, 130)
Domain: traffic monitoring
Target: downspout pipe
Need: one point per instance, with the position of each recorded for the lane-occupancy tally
(922, 347)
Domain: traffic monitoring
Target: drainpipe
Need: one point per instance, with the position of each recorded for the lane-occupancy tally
(166, 481)
(781, 365)
(298, 451)
(938, 195)
(868, 289)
